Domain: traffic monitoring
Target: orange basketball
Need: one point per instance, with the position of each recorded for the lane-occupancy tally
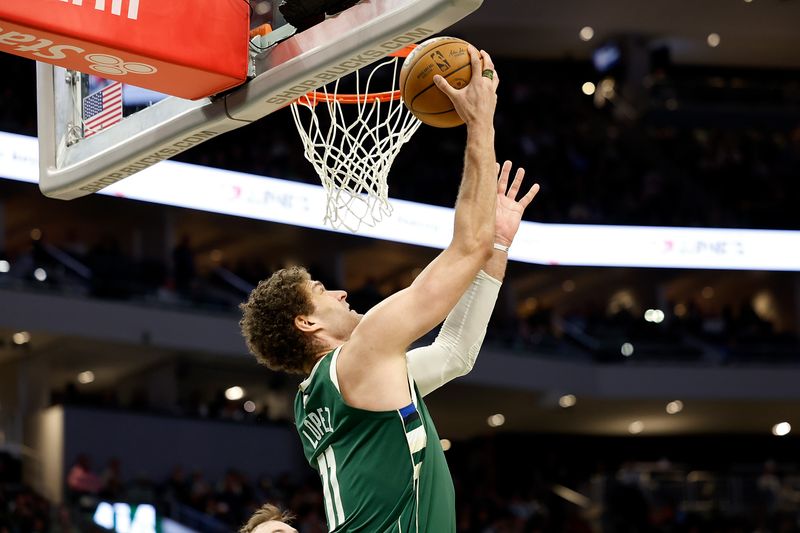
(446, 56)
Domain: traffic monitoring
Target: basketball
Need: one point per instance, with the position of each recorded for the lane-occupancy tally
(446, 56)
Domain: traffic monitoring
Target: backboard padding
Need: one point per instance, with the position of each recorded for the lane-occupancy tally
(354, 38)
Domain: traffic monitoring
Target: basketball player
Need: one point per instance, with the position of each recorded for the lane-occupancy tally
(360, 413)
(269, 519)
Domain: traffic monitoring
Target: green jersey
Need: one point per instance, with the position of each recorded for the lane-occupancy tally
(381, 471)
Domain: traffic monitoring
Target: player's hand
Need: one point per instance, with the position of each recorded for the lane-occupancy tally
(475, 103)
(509, 209)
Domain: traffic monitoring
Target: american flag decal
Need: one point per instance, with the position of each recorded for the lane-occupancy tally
(102, 109)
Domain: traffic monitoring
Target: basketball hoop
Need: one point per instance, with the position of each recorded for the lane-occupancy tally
(352, 150)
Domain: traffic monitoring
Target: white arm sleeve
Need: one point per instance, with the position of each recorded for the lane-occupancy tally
(456, 347)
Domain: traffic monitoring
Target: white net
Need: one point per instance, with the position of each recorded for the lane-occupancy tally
(353, 145)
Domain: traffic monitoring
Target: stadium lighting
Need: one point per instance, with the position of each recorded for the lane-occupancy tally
(626, 349)
(586, 33)
(84, 378)
(496, 421)
(566, 401)
(674, 407)
(588, 88)
(5, 266)
(713, 40)
(40, 274)
(654, 315)
(782, 428)
(603, 245)
(636, 427)
(21, 337)
(446, 444)
(234, 393)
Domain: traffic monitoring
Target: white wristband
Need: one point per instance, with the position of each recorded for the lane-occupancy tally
(501, 247)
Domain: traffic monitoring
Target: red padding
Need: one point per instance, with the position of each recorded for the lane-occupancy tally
(187, 49)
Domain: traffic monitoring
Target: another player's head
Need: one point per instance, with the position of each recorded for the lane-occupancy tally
(269, 519)
(289, 320)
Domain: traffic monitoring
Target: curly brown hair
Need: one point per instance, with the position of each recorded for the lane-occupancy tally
(268, 321)
(266, 513)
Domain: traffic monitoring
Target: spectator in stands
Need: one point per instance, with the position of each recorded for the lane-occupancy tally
(769, 486)
(25, 512)
(177, 487)
(200, 491)
(81, 480)
(112, 480)
(626, 508)
(63, 522)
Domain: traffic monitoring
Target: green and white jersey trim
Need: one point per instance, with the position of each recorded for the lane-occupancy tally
(376, 468)
(334, 510)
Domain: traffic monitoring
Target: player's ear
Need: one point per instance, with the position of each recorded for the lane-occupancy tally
(305, 324)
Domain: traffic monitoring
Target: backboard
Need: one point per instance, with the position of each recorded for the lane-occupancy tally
(73, 164)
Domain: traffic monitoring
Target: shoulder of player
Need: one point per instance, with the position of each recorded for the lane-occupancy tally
(371, 378)
(365, 350)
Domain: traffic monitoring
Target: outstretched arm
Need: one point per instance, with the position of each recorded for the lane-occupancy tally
(509, 216)
(371, 367)
(456, 348)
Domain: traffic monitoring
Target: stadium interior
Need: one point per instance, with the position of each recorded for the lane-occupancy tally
(605, 399)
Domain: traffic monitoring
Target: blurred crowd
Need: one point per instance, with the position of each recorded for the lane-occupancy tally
(665, 166)
(594, 167)
(545, 494)
(22, 510)
(685, 331)
(677, 165)
(703, 327)
(597, 168)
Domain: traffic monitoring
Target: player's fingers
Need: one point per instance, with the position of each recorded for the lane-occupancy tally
(529, 196)
(487, 60)
(502, 182)
(488, 69)
(475, 59)
(515, 185)
(444, 86)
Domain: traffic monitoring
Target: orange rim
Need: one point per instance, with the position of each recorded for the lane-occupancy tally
(403, 52)
(316, 97)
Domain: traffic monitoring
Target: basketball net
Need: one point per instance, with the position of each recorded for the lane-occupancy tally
(353, 153)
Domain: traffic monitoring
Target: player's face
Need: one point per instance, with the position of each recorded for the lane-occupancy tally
(333, 311)
(273, 526)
